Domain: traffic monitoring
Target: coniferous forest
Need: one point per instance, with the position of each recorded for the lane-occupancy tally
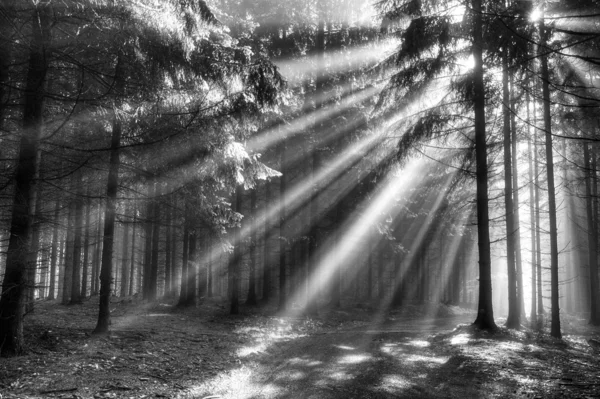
(299, 198)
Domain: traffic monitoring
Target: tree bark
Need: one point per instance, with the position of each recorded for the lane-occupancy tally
(54, 252)
(153, 279)
(125, 261)
(132, 263)
(168, 271)
(515, 186)
(148, 242)
(514, 314)
(592, 239)
(485, 312)
(554, 292)
(251, 299)
(32, 262)
(86, 248)
(192, 269)
(236, 259)
(266, 291)
(184, 263)
(533, 314)
(68, 258)
(102, 326)
(77, 233)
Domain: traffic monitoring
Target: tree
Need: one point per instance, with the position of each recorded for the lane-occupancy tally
(15, 278)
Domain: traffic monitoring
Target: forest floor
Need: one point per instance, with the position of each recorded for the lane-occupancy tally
(159, 351)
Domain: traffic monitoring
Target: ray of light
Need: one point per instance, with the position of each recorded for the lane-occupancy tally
(273, 136)
(297, 71)
(355, 233)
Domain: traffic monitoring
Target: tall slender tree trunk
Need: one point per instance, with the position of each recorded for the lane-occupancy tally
(533, 314)
(266, 291)
(32, 262)
(251, 299)
(210, 283)
(173, 247)
(148, 230)
(97, 253)
(78, 230)
(485, 312)
(515, 185)
(192, 268)
(132, 263)
(184, 263)
(514, 314)
(538, 235)
(86, 248)
(554, 292)
(54, 250)
(102, 326)
(168, 272)
(125, 261)
(592, 239)
(236, 259)
(68, 258)
(153, 278)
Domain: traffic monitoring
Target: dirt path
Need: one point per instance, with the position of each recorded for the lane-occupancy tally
(362, 362)
(159, 351)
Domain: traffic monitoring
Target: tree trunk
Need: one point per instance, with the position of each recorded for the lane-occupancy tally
(54, 254)
(514, 314)
(125, 261)
(210, 283)
(592, 239)
(153, 279)
(266, 291)
(533, 314)
(112, 185)
(78, 229)
(515, 186)
(192, 269)
(184, 264)
(68, 263)
(32, 262)
(236, 258)
(485, 313)
(554, 293)
(148, 230)
(86, 248)
(168, 271)
(132, 263)
(97, 254)
(251, 300)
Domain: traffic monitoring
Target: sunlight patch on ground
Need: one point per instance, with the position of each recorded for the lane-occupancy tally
(460, 339)
(354, 359)
(419, 343)
(339, 376)
(391, 383)
(391, 349)
(296, 361)
(251, 350)
(427, 359)
(511, 346)
(239, 383)
(344, 347)
(159, 315)
(294, 375)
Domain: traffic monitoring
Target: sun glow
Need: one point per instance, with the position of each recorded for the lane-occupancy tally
(536, 14)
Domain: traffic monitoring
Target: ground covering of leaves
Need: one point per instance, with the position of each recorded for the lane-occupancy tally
(158, 350)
